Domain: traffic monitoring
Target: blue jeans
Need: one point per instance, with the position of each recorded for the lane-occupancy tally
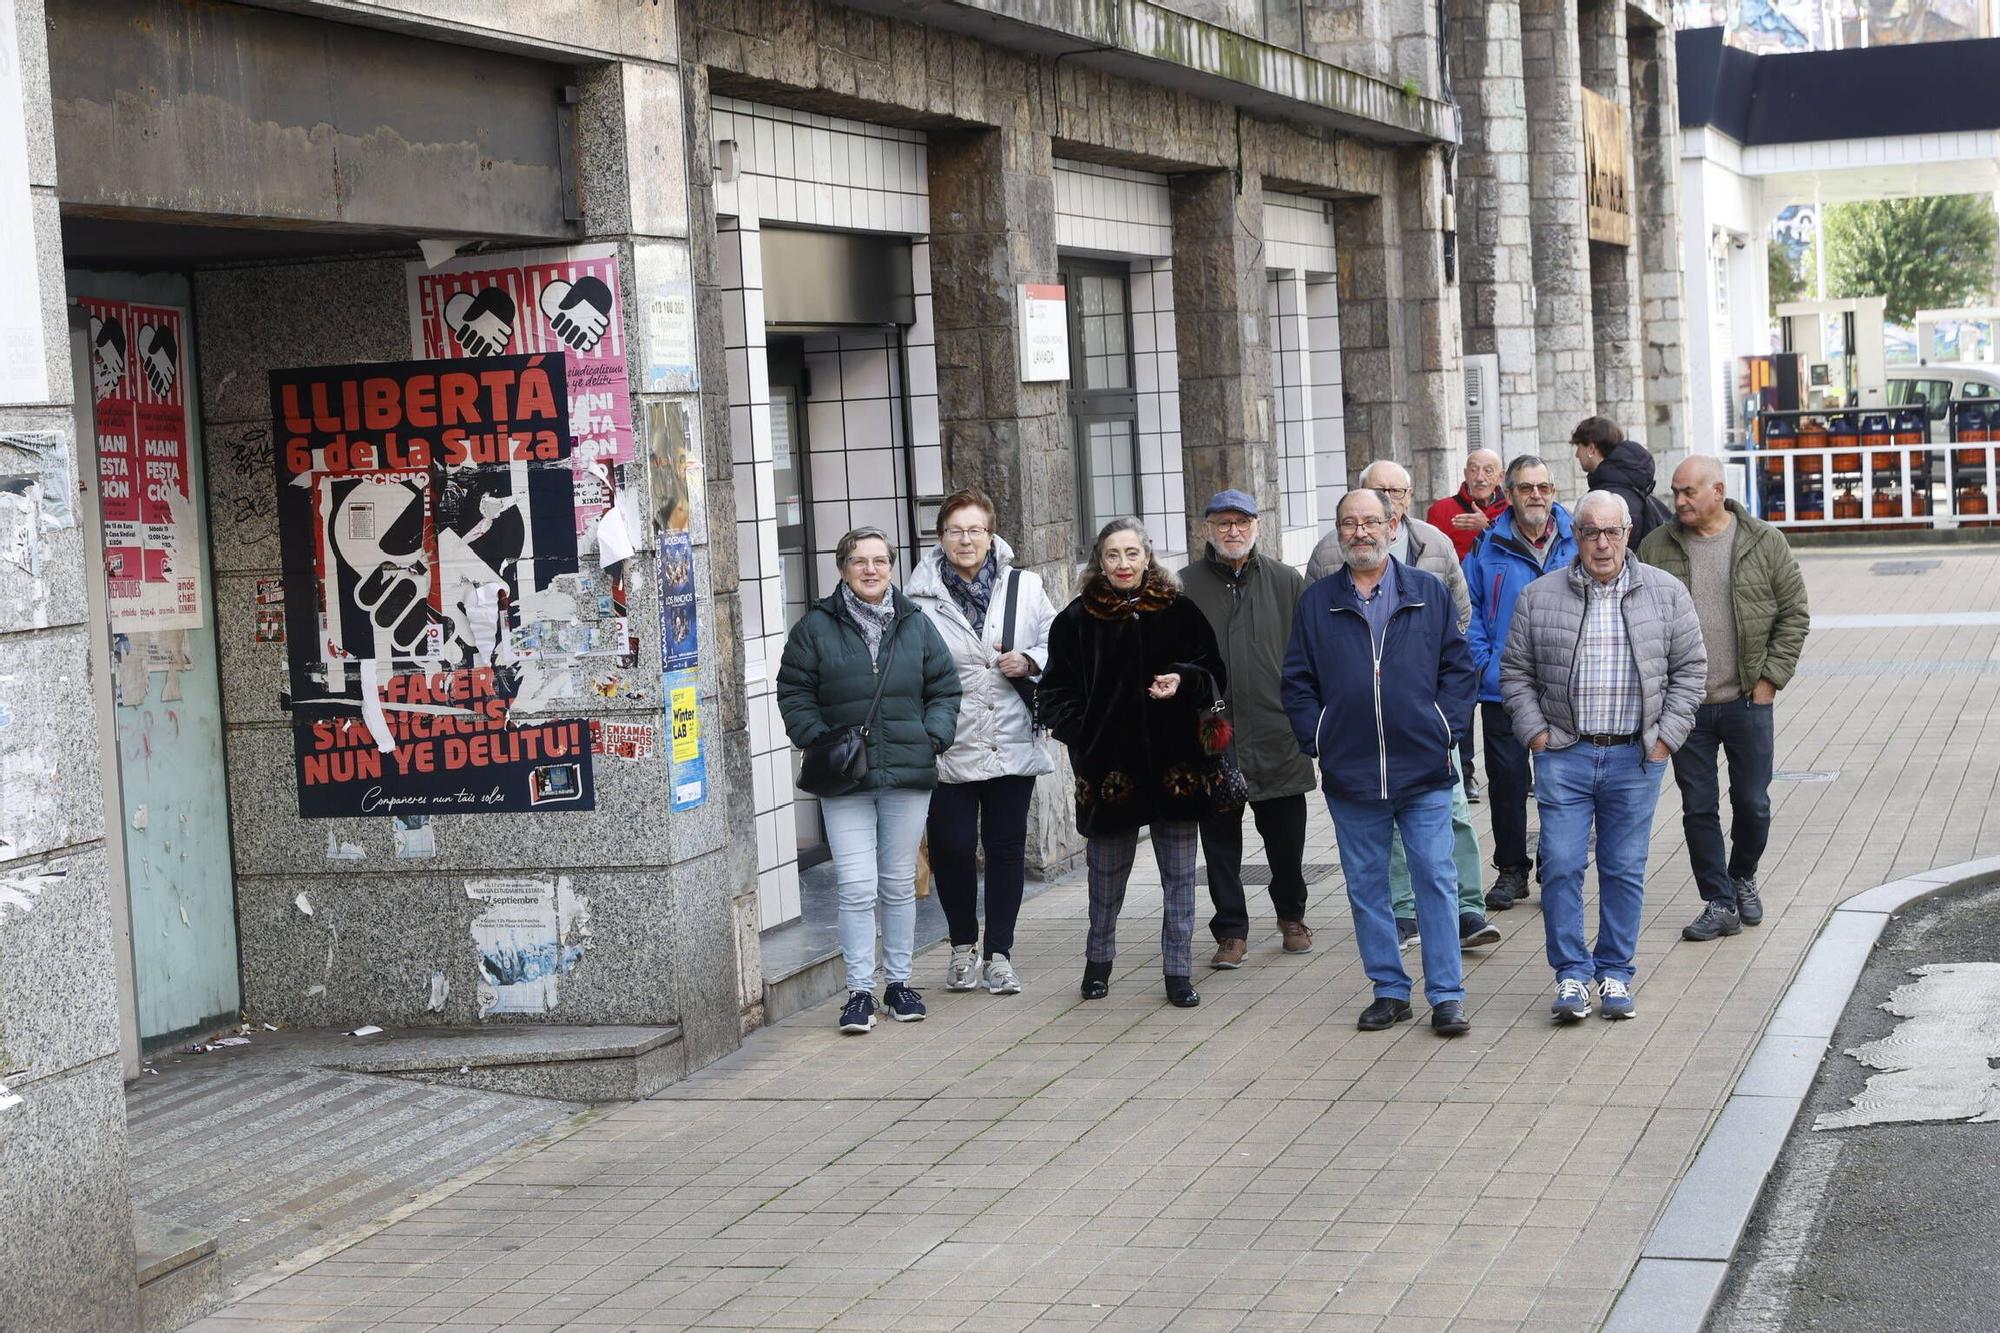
(874, 836)
(1614, 787)
(1363, 830)
(1464, 857)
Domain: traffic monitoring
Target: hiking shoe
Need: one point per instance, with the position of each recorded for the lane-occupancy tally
(1383, 1013)
(1406, 933)
(962, 973)
(1614, 999)
(1000, 978)
(903, 1003)
(1229, 955)
(1298, 939)
(1717, 918)
(1474, 931)
(1749, 904)
(1572, 1000)
(1510, 888)
(859, 1013)
(1449, 1020)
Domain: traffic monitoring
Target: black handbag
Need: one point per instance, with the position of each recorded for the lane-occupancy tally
(837, 762)
(1022, 685)
(1223, 785)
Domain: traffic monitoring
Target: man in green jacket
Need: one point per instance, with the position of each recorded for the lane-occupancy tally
(1751, 598)
(1250, 601)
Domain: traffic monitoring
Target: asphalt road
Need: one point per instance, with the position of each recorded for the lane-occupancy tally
(1887, 1226)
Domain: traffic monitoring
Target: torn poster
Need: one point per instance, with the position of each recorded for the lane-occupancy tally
(8, 1099)
(531, 934)
(687, 772)
(680, 644)
(152, 541)
(270, 611)
(623, 740)
(20, 891)
(565, 300)
(47, 467)
(416, 837)
(24, 584)
(426, 524)
(667, 304)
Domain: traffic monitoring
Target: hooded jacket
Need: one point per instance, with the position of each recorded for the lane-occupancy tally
(1628, 472)
(825, 680)
(1442, 512)
(1430, 550)
(1499, 569)
(1251, 612)
(996, 733)
(1766, 591)
(1385, 728)
(1137, 759)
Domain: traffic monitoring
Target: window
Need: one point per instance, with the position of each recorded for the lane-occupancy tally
(1103, 422)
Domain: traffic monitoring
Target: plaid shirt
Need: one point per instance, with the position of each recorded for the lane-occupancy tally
(1604, 690)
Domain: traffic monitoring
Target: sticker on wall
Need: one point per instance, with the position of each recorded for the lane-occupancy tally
(152, 545)
(673, 455)
(623, 740)
(687, 777)
(666, 300)
(530, 935)
(270, 607)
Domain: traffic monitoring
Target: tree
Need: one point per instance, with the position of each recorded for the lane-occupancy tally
(1788, 283)
(1922, 254)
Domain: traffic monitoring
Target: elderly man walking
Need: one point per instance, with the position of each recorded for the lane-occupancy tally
(1378, 686)
(1602, 672)
(1412, 541)
(1751, 599)
(1530, 539)
(1249, 602)
(1470, 510)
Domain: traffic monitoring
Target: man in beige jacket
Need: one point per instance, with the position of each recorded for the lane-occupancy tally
(1415, 542)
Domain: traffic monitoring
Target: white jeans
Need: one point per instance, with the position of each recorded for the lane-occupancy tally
(874, 836)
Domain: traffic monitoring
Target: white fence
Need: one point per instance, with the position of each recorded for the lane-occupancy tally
(1855, 469)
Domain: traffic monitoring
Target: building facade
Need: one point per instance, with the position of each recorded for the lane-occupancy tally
(431, 417)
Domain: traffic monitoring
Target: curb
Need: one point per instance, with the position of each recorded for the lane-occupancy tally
(1685, 1259)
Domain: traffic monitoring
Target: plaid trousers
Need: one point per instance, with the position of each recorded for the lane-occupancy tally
(1176, 845)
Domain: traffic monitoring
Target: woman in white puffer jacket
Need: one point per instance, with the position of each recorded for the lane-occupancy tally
(987, 778)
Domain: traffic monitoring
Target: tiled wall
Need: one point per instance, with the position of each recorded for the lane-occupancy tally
(823, 171)
(1111, 211)
(1304, 310)
(1291, 394)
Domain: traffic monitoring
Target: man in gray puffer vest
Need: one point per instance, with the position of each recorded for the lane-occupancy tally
(1250, 602)
(1603, 670)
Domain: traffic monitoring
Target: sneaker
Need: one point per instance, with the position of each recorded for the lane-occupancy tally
(859, 1013)
(1614, 999)
(1000, 978)
(1229, 955)
(1474, 932)
(1511, 887)
(903, 1003)
(1717, 918)
(1406, 933)
(1749, 904)
(1572, 1000)
(962, 973)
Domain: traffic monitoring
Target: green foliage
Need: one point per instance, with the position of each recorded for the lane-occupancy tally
(1788, 279)
(1922, 254)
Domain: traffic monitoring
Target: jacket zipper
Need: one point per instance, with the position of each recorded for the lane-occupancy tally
(1381, 733)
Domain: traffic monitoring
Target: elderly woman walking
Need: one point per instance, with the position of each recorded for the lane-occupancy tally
(995, 620)
(868, 690)
(1133, 673)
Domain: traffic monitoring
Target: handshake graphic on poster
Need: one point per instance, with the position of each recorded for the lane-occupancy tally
(579, 312)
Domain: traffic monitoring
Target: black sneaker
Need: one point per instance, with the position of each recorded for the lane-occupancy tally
(1406, 933)
(903, 1003)
(1473, 795)
(1510, 888)
(1716, 918)
(1749, 905)
(1474, 932)
(859, 1015)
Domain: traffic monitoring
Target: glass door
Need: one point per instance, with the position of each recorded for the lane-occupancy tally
(792, 475)
(1103, 423)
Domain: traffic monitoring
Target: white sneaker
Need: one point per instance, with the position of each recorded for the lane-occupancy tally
(1000, 978)
(963, 971)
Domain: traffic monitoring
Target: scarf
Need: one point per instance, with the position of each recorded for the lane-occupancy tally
(975, 597)
(873, 621)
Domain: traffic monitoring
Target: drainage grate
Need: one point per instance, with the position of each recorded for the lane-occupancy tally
(1806, 775)
(1261, 875)
(1904, 566)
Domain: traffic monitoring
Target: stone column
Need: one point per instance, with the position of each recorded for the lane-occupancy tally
(1432, 446)
(1369, 280)
(1614, 269)
(1656, 137)
(1564, 360)
(1220, 295)
(1495, 267)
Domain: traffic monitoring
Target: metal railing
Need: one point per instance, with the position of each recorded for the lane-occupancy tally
(1872, 468)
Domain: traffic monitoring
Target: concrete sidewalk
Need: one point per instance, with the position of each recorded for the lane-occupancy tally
(1255, 1162)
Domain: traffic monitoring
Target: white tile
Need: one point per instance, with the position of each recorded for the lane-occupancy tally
(823, 368)
(767, 497)
(770, 903)
(864, 373)
(825, 424)
(1145, 375)
(732, 319)
(774, 614)
(763, 149)
(868, 423)
(929, 462)
(923, 421)
(829, 474)
(1149, 450)
(923, 333)
(738, 367)
(831, 521)
(829, 573)
(784, 161)
(767, 841)
(923, 369)
(788, 887)
(884, 514)
(759, 718)
(871, 473)
(843, 206)
(1170, 413)
(1163, 332)
(746, 549)
(760, 786)
(760, 432)
(739, 434)
(1152, 494)
(751, 256)
(767, 548)
(1149, 413)
(758, 363)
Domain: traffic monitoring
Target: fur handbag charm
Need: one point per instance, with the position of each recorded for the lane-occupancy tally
(1223, 785)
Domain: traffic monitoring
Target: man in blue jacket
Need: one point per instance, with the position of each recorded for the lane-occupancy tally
(1379, 688)
(1533, 537)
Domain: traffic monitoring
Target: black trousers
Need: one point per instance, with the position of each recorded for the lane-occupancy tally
(1743, 731)
(1465, 765)
(963, 815)
(1507, 778)
(1281, 823)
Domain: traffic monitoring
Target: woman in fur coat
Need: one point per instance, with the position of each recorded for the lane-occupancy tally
(1133, 672)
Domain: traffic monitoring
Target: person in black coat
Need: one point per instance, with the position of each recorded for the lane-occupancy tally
(1133, 671)
(1610, 462)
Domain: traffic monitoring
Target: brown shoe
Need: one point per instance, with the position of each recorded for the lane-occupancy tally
(1229, 954)
(1298, 939)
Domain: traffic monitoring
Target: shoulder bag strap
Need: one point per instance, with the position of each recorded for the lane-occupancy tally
(881, 679)
(1013, 605)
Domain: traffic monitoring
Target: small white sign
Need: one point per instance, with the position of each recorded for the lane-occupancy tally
(1044, 332)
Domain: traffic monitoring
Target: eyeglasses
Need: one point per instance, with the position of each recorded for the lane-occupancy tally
(1587, 535)
(963, 534)
(1398, 492)
(1535, 487)
(1350, 526)
(1232, 524)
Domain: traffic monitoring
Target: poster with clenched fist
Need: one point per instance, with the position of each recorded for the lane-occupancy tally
(564, 301)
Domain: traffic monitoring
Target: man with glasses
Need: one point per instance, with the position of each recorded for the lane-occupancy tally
(1250, 602)
(1533, 537)
(1413, 541)
(1603, 670)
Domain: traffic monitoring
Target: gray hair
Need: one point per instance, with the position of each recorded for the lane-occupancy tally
(855, 538)
(1093, 568)
(1381, 498)
(1604, 500)
(1383, 463)
(1521, 463)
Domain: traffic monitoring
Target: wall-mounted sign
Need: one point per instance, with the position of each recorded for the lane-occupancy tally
(1607, 153)
(1044, 332)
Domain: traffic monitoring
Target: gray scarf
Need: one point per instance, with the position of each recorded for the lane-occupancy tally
(873, 621)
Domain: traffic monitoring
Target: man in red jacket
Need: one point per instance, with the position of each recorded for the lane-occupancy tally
(1463, 516)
